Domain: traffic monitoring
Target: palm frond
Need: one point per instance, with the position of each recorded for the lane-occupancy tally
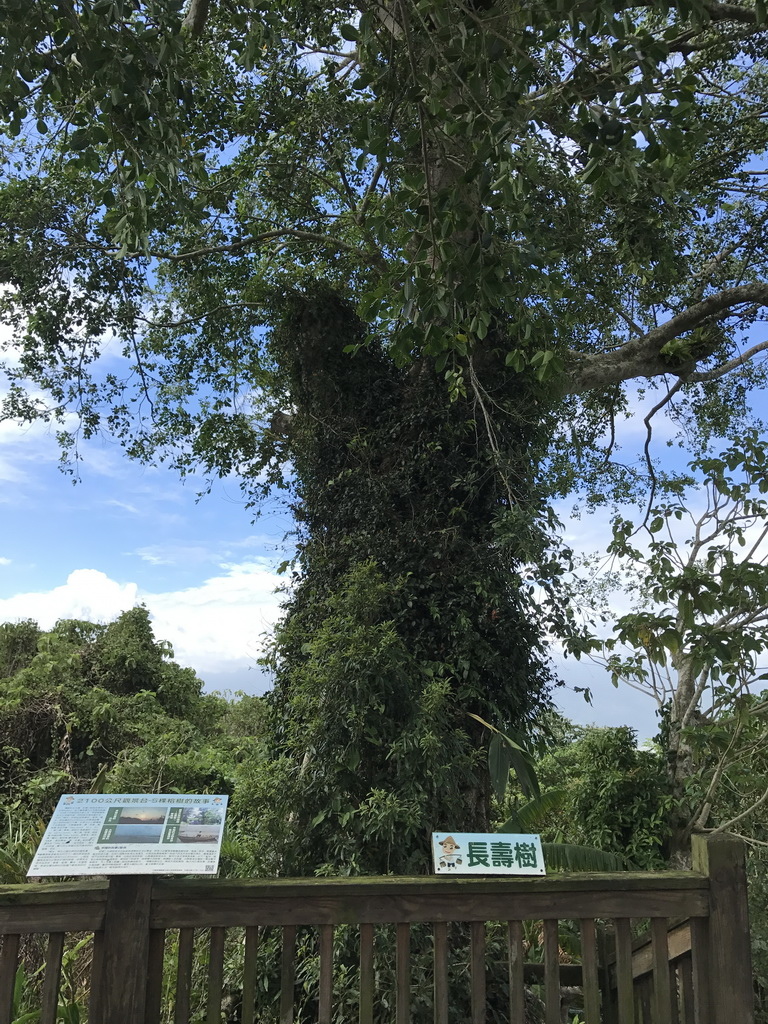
(571, 857)
(529, 817)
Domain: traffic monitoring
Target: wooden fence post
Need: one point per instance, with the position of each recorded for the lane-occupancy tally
(722, 859)
(123, 973)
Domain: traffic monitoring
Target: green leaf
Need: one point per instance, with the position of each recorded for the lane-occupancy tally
(499, 762)
(570, 857)
(349, 32)
(529, 817)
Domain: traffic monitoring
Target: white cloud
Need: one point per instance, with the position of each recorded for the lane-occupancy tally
(5, 561)
(217, 626)
(87, 594)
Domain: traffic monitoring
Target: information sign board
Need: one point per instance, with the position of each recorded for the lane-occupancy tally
(132, 834)
(487, 853)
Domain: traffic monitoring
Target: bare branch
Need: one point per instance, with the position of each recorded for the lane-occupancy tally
(727, 825)
(254, 241)
(732, 364)
(647, 447)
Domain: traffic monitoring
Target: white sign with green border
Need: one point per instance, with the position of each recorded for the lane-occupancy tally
(487, 853)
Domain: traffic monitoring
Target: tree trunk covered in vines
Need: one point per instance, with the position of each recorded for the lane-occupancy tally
(408, 612)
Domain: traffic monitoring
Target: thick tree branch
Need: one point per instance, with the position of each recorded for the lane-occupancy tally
(642, 356)
(731, 12)
(197, 15)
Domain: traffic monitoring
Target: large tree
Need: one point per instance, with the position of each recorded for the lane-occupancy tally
(413, 253)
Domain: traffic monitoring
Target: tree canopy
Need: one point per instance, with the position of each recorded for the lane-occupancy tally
(573, 193)
(402, 259)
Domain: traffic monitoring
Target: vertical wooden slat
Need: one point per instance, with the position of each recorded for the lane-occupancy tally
(689, 1002)
(646, 1002)
(590, 985)
(700, 969)
(625, 1000)
(288, 974)
(660, 950)
(551, 972)
(215, 976)
(366, 974)
(441, 972)
(155, 975)
(184, 976)
(249, 975)
(49, 1002)
(516, 984)
(95, 1003)
(722, 859)
(608, 1001)
(325, 1000)
(673, 987)
(403, 972)
(126, 949)
(8, 961)
(477, 953)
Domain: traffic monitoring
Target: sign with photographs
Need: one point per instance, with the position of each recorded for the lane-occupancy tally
(132, 834)
(491, 853)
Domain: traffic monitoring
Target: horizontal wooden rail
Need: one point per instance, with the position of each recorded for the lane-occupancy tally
(220, 903)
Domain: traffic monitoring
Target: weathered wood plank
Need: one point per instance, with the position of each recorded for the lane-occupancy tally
(155, 976)
(40, 894)
(625, 992)
(126, 949)
(323, 908)
(403, 974)
(661, 993)
(516, 986)
(441, 972)
(8, 961)
(249, 974)
(589, 970)
(302, 888)
(551, 972)
(46, 920)
(325, 999)
(722, 858)
(215, 976)
(477, 962)
(700, 976)
(49, 1000)
(183, 1005)
(288, 975)
(366, 974)
(678, 944)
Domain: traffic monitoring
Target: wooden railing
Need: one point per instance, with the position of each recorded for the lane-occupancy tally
(387, 949)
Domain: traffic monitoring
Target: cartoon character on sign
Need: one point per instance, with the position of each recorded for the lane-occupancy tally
(449, 858)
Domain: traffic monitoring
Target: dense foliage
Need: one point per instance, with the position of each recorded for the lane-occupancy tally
(526, 206)
(86, 707)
